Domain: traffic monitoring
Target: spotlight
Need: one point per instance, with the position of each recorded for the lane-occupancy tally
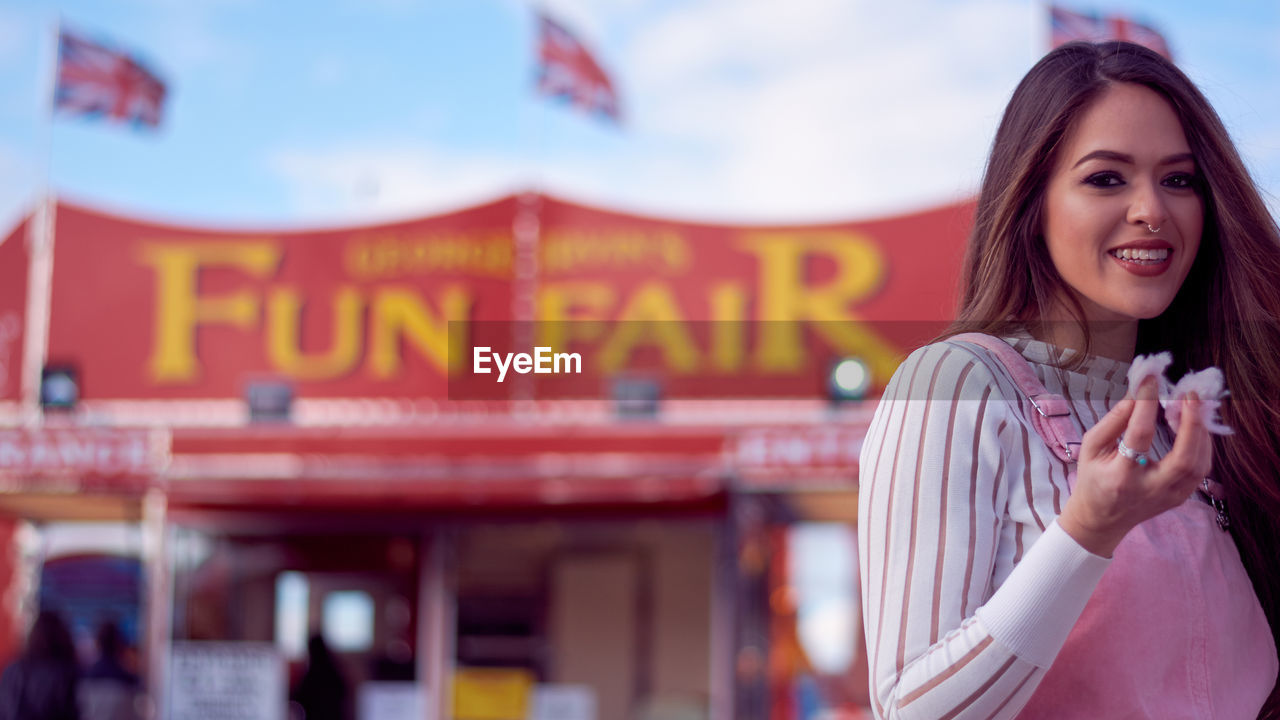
(269, 400)
(849, 379)
(635, 397)
(59, 387)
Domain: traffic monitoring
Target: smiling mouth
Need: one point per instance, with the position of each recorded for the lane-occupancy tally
(1141, 257)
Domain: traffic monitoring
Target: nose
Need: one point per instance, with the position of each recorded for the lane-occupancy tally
(1147, 205)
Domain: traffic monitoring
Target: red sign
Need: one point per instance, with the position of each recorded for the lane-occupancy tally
(732, 311)
(13, 304)
(797, 456)
(80, 450)
(154, 311)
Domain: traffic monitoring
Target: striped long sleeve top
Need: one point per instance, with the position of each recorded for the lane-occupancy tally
(969, 586)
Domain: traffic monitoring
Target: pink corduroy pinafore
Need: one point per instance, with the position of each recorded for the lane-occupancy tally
(1174, 629)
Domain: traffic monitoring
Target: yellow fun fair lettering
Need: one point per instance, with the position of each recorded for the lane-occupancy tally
(570, 313)
(573, 312)
(392, 255)
(284, 323)
(180, 309)
(786, 300)
(728, 326)
(401, 313)
(651, 318)
(577, 250)
(398, 317)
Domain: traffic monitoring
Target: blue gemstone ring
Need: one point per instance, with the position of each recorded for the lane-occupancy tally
(1134, 455)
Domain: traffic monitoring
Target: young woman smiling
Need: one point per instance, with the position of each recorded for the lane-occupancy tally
(1108, 575)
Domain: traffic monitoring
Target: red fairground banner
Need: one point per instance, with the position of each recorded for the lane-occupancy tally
(13, 307)
(725, 310)
(154, 311)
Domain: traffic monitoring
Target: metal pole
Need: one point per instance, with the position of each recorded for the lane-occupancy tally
(40, 234)
(159, 606)
(437, 622)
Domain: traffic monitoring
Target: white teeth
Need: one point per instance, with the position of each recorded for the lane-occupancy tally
(1132, 254)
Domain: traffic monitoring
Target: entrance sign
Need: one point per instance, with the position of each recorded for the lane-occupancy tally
(92, 451)
(227, 681)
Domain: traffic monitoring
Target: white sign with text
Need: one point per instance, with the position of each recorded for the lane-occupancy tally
(226, 681)
(563, 702)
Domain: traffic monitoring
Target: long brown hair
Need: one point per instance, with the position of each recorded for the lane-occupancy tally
(1227, 312)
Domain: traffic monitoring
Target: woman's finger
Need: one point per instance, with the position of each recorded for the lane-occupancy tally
(1199, 444)
(1141, 430)
(1101, 438)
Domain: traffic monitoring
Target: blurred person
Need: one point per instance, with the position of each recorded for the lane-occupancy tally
(1035, 542)
(41, 683)
(108, 689)
(322, 691)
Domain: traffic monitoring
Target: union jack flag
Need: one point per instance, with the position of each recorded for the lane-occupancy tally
(568, 72)
(1092, 27)
(95, 80)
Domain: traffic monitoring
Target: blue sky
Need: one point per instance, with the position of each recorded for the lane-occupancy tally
(290, 114)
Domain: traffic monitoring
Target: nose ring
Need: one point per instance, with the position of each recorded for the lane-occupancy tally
(1153, 229)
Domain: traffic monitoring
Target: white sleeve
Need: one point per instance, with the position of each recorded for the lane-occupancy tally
(932, 498)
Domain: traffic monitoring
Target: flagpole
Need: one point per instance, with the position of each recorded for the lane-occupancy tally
(40, 234)
(526, 230)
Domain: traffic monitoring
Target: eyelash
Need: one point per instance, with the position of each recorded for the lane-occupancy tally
(1188, 181)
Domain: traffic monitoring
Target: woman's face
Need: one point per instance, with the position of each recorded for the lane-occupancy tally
(1125, 169)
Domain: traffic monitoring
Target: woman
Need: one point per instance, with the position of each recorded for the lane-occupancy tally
(1002, 578)
(41, 684)
(322, 691)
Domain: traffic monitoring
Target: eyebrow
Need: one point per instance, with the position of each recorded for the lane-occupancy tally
(1121, 157)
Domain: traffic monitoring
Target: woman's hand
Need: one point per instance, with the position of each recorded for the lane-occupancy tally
(1114, 493)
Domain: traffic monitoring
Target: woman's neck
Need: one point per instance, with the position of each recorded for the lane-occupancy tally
(1112, 339)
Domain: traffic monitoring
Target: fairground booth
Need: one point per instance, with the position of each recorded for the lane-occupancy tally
(528, 459)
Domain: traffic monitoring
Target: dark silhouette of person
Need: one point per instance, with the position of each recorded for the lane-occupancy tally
(322, 691)
(41, 683)
(108, 689)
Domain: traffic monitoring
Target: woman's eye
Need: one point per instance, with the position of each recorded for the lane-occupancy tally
(1181, 180)
(1104, 179)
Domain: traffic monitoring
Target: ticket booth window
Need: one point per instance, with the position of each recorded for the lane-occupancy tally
(348, 620)
(292, 594)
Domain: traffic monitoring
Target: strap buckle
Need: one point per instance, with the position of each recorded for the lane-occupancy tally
(1062, 408)
(1218, 504)
(1056, 413)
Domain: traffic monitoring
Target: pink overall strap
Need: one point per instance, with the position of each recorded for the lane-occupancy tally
(1052, 418)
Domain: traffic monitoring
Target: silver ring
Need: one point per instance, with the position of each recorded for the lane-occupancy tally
(1134, 455)
(1152, 228)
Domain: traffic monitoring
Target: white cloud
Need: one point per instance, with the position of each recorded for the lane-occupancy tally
(384, 180)
(737, 110)
(813, 108)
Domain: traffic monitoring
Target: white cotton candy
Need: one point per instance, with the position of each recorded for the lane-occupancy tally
(1208, 385)
(1145, 366)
